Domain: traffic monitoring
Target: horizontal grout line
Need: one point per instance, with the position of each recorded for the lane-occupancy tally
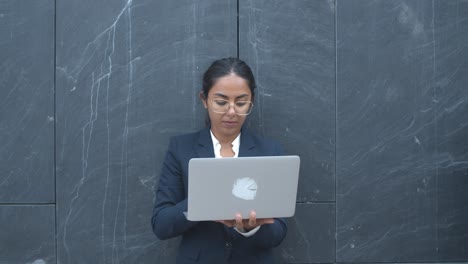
(396, 262)
(26, 204)
(317, 202)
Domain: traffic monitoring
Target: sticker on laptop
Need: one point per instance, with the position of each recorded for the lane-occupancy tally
(245, 188)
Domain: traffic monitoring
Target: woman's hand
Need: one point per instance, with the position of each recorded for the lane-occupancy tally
(247, 224)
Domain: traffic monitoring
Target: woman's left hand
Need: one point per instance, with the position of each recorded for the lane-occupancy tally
(245, 225)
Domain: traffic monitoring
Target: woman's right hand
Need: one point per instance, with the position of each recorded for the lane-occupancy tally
(245, 225)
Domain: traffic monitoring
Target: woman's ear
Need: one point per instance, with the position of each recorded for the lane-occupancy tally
(203, 99)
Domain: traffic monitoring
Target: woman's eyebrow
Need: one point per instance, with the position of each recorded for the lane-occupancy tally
(241, 96)
(221, 95)
(226, 97)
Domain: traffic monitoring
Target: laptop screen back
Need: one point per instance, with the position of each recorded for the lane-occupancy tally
(220, 188)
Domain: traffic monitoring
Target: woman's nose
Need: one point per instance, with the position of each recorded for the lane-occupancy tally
(231, 110)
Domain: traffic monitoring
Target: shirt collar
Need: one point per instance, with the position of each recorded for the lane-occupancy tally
(217, 145)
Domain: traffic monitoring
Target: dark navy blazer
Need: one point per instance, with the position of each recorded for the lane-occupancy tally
(207, 241)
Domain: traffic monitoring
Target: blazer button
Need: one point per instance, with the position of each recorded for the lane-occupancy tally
(228, 244)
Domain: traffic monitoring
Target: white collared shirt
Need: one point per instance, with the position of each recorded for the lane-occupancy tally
(217, 146)
(235, 148)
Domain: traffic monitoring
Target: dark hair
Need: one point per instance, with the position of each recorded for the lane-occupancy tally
(226, 66)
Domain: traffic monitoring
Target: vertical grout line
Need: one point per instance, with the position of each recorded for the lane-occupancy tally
(434, 70)
(336, 127)
(237, 28)
(55, 126)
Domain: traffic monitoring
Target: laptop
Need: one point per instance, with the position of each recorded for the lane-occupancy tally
(218, 188)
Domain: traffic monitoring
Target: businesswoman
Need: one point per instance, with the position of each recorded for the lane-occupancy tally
(227, 94)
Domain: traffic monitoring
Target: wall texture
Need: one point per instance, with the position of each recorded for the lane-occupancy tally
(372, 94)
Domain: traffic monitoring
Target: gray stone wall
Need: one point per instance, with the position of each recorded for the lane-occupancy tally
(372, 94)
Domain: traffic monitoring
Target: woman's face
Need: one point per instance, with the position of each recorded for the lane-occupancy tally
(231, 88)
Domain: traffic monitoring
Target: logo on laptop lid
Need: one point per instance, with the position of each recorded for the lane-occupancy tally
(245, 188)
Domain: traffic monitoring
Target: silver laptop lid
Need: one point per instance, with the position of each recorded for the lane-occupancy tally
(220, 188)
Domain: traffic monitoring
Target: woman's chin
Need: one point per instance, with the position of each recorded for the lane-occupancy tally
(229, 130)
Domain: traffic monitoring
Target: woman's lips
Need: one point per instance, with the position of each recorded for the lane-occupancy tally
(230, 123)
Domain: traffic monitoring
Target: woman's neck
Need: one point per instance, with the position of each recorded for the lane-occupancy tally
(226, 139)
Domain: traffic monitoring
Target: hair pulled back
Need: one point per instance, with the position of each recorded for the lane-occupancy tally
(224, 67)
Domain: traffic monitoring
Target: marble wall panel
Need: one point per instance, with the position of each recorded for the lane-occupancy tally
(27, 234)
(311, 235)
(128, 73)
(419, 262)
(290, 47)
(128, 76)
(401, 131)
(27, 101)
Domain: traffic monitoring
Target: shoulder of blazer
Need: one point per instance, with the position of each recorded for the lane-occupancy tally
(199, 142)
(255, 145)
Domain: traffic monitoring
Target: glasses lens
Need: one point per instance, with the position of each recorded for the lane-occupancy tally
(243, 107)
(220, 105)
(240, 107)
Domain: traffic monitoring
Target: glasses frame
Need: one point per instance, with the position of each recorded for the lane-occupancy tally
(233, 105)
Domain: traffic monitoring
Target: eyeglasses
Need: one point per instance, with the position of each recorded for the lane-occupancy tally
(222, 106)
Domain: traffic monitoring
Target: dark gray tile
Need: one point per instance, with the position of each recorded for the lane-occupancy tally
(410, 262)
(290, 47)
(27, 101)
(128, 76)
(311, 235)
(27, 234)
(402, 104)
(451, 129)
(452, 214)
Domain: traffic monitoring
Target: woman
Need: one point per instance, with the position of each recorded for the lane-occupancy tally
(227, 93)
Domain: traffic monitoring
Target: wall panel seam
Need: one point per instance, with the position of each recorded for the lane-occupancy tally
(238, 15)
(336, 124)
(55, 130)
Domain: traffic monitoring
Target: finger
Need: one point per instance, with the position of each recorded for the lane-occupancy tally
(239, 223)
(253, 218)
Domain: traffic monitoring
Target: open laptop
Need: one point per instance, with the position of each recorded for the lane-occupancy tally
(218, 188)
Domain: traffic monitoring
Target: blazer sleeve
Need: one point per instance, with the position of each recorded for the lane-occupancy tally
(168, 218)
(269, 235)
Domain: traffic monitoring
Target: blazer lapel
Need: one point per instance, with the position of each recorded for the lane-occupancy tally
(247, 146)
(204, 145)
